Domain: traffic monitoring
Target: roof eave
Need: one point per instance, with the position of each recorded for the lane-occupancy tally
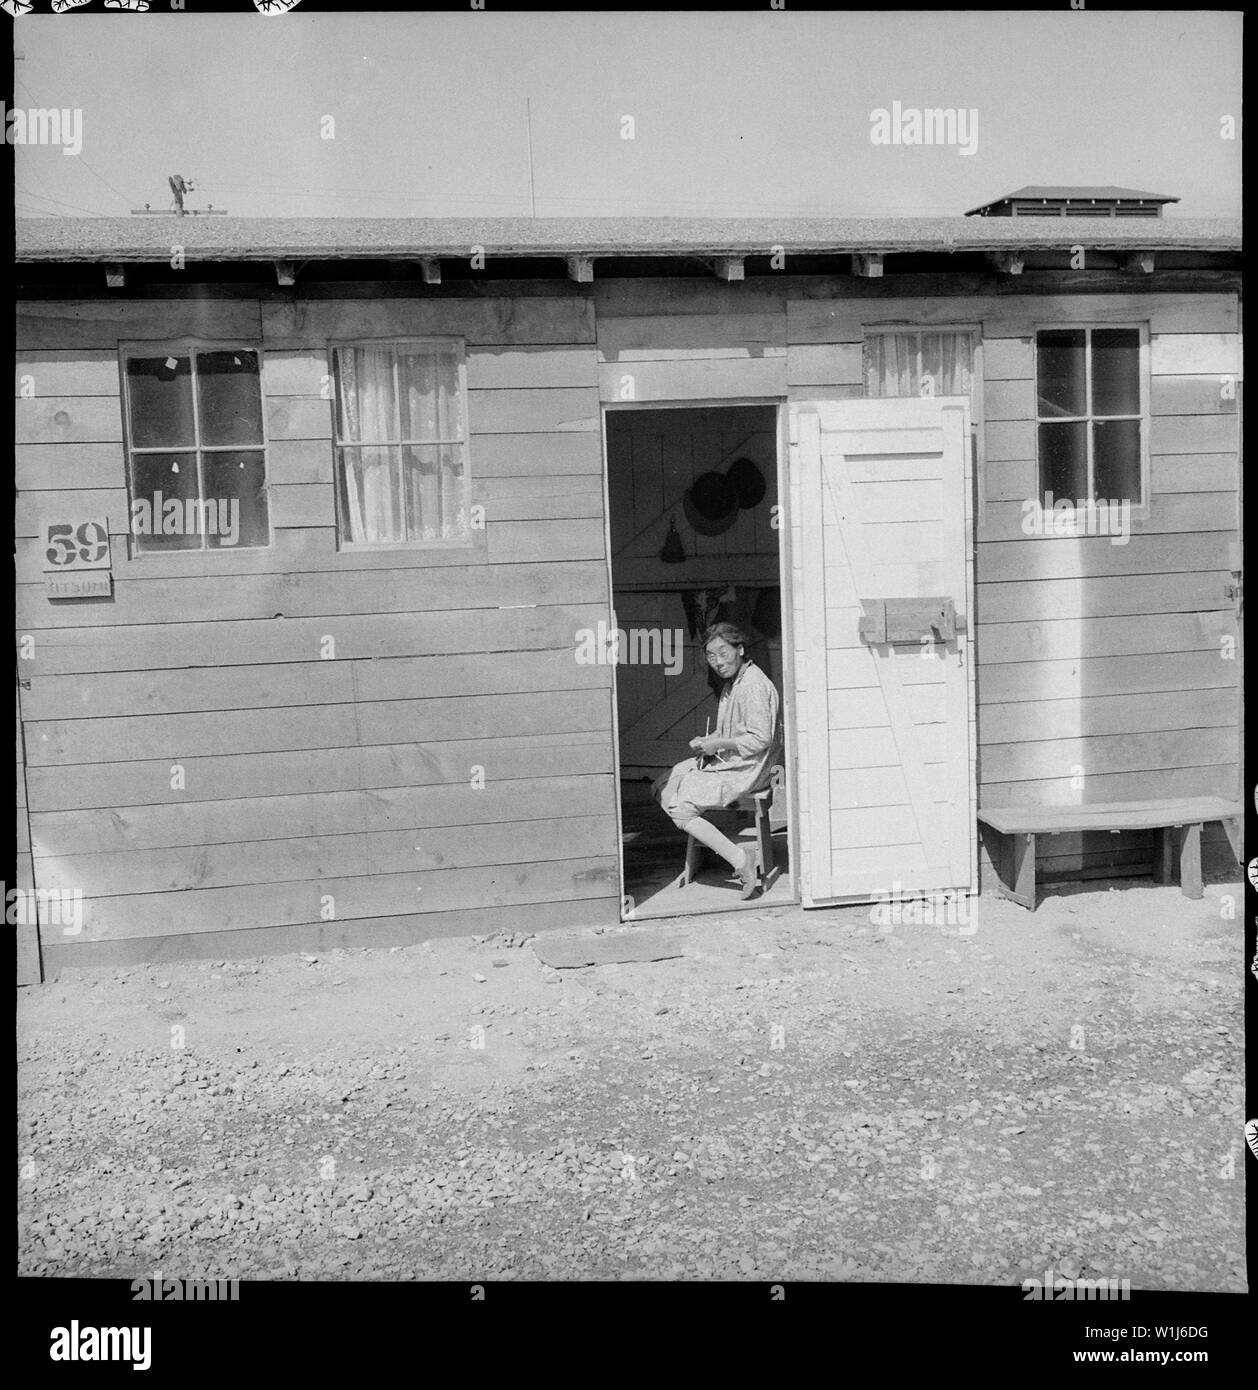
(416, 253)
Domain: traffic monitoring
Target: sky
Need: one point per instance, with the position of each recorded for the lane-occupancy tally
(733, 114)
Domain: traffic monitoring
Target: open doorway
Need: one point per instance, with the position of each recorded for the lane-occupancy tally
(695, 529)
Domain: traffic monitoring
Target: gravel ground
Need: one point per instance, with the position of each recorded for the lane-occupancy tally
(800, 1096)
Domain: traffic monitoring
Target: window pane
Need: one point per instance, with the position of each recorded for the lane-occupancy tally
(159, 391)
(436, 492)
(235, 493)
(956, 365)
(1116, 459)
(1116, 371)
(930, 369)
(1064, 460)
(891, 365)
(162, 486)
(1060, 372)
(371, 501)
(229, 397)
(428, 380)
(365, 408)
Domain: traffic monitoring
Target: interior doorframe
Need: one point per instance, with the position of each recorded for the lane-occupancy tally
(781, 407)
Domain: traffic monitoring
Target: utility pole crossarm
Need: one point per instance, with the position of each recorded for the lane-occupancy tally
(179, 186)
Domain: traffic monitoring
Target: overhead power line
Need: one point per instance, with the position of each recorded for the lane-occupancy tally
(82, 162)
(58, 202)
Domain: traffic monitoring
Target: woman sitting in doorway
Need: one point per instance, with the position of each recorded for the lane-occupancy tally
(733, 761)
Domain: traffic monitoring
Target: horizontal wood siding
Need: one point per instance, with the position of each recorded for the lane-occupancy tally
(261, 749)
(357, 933)
(1070, 708)
(1104, 672)
(737, 351)
(303, 777)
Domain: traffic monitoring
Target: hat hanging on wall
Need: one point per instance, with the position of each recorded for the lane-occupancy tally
(748, 482)
(672, 552)
(711, 504)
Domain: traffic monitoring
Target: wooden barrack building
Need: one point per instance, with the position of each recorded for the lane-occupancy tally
(350, 708)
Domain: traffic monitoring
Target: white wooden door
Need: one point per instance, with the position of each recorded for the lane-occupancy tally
(881, 515)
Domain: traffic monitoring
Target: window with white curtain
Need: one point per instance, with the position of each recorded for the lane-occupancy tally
(931, 362)
(926, 362)
(401, 442)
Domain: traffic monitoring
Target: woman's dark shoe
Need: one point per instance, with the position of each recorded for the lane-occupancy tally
(747, 874)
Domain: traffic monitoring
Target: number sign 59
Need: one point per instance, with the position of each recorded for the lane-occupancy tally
(77, 544)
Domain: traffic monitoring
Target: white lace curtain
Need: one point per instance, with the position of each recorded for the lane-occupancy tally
(400, 443)
(919, 364)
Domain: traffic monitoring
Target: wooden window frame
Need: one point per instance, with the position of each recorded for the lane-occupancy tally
(1140, 509)
(468, 541)
(189, 346)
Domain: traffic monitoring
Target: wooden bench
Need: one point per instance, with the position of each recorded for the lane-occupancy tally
(758, 804)
(1177, 845)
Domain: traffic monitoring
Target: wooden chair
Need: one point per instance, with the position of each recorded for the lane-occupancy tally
(758, 805)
